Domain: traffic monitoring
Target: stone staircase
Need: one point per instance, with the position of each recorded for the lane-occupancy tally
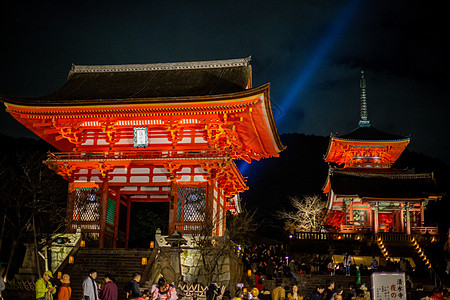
(120, 263)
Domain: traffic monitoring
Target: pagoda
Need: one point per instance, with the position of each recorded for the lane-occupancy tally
(165, 132)
(365, 193)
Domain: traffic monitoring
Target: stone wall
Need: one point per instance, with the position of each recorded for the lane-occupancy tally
(227, 262)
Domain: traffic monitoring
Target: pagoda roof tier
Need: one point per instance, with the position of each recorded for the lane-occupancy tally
(112, 100)
(381, 184)
(369, 134)
(107, 84)
(365, 143)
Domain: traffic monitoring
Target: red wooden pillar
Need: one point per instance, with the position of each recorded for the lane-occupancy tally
(172, 206)
(116, 220)
(103, 212)
(70, 206)
(127, 232)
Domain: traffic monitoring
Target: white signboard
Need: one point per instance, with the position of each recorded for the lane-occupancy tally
(140, 137)
(388, 286)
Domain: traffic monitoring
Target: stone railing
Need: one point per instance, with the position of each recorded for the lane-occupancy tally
(20, 285)
(199, 289)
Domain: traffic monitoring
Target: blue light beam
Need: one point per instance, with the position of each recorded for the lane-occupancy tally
(322, 50)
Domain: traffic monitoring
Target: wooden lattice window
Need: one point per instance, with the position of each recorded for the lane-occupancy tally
(86, 205)
(191, 204)
(360, 218)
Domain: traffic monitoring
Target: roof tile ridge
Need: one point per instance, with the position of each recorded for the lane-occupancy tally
(211, 64)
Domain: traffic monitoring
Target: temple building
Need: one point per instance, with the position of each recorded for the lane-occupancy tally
(166, 132)
(364, 192)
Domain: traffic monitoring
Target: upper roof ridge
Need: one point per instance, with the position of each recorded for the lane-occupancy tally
(228, 63)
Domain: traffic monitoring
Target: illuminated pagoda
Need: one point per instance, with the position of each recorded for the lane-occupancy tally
(166, 132)
(364, 192)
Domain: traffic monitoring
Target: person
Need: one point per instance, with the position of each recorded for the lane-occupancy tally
(254, 292)
(331, 268)
(317, 294)
(294, 295)
(238, 295)
(258, 282)
(163, 290)
(316, 263)
(2, 286)
(44, 288)
(328, 293)
(293, 270)
(350, 293)
(109, 291)
(278, 293)
(65, 291)
(374, 264)
(132, 287)
(403, 266)
(90, 287)
(437, 294)
(347, 263)
(213, 292)
(445, 294)
(339, 290)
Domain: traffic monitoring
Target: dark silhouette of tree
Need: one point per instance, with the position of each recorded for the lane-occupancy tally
(32, 198)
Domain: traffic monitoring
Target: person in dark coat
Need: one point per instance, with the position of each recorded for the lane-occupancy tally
(213, 292)
(109, 291)
(132, 287)
(317, 294)
(329, 291)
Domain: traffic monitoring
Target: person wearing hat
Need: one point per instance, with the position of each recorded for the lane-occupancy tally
(65, 291)
(44, 287)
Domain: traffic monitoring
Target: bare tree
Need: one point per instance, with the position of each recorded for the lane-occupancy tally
(213, 249)
(308, 213)
(32, 198)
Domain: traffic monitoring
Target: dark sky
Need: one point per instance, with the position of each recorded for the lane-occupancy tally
(312, 53)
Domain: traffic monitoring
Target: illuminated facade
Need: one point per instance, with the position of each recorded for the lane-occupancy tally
(153, 133)
(364, 192)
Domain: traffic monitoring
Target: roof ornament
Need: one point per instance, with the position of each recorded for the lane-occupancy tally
(364, 122)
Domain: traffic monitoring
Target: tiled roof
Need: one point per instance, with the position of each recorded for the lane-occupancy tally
(383, 184)
(369, 133)
(101, 84)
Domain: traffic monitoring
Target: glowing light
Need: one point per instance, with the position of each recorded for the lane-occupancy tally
(322, 50)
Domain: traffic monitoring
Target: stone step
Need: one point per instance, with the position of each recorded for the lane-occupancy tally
(120, 263)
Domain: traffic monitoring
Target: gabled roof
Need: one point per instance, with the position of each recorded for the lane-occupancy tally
(387, 183)
(107, 84)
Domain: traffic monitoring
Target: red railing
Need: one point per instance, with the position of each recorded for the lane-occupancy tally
(137, 155)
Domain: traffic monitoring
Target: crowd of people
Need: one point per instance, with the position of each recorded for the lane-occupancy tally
(94, 290)
(265, 262)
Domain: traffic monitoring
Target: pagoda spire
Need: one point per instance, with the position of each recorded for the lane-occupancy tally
(364, 122)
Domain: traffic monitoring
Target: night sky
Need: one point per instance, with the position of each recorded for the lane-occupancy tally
(311, 52)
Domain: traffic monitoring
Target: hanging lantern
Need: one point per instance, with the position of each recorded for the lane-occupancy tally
(144, 261)
(71, 259)
(82, 243)
(249, 273)
(152, 244)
